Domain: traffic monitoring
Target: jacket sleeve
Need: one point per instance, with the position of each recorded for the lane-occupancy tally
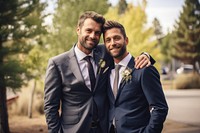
(150, 57)
(52, 96)
(153, 91)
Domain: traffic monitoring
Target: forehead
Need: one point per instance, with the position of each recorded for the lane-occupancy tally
(90, 23)
(113, 32)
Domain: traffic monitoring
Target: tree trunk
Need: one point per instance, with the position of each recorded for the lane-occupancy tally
(4, 127)
(31, 100)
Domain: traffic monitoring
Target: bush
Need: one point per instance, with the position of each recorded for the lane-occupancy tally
(187, 81)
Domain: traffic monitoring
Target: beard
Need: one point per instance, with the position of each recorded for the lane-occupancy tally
(88, 45)
(120, 52)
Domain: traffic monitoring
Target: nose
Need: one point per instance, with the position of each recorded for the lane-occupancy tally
(92, 35)
(112, 41)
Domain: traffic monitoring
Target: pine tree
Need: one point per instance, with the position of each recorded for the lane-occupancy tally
(122, 6)
(166, 47)
(157, 29)
(163, 42)
(21, 25)
(187, 33)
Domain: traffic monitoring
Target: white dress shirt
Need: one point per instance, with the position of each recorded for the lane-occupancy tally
(123, 64)
(83, 65)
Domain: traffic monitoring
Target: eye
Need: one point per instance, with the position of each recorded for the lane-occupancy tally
(107, 40)
(88, 30)
(98, 33)
(117, 38)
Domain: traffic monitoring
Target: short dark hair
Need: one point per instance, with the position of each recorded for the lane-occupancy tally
(93, 15)
(114, 24)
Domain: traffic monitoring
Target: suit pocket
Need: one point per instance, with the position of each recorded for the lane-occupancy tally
(136, 122)
(70, 116)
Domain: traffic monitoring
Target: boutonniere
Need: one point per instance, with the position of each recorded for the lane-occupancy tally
(126, 74)
(102, 65)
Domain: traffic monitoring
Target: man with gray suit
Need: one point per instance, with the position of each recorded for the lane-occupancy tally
(137, 101)
(76, 82)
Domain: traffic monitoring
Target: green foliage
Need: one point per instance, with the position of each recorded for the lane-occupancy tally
(157, 29)
(35, 62)
(187, 33)
(140, 37)
(122, 5)
(166, 44)
(13, 73)
(187, 81)
(20, 29)
(63, 34)
(21, 26)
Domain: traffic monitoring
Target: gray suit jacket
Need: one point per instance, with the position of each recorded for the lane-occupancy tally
(65, 88)
(134, 99)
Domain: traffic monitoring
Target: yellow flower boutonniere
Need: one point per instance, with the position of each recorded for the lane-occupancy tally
(126, 74)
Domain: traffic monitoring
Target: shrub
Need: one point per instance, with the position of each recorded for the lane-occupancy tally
(187, 81)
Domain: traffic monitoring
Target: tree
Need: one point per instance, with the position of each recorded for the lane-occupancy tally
(187, 33)
(122, 5)
(63, 33)
(21, 25)
(163, 42)
(166, 47)
(157, 29)
(36, 68)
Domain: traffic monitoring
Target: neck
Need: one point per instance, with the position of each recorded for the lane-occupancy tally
(118, 59)
(83, 49)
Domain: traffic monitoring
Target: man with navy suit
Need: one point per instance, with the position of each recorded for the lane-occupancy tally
(76, 82)
(137, 101)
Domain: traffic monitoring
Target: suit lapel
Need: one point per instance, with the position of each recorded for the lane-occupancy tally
(110, 93)
(97, 59)
(73, 64)
(123, 81)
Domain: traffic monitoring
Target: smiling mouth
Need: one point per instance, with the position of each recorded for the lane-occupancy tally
(114, 48)
(90, 41)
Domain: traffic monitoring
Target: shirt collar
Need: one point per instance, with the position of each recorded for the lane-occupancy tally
(80, 54)
(124, 62)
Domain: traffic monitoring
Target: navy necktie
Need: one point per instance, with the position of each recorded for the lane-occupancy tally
(92, 82)
(91, 72)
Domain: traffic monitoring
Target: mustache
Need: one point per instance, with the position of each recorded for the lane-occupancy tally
(114, 47)
(91, 39)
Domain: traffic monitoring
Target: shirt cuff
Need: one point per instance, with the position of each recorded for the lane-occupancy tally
(145, 53)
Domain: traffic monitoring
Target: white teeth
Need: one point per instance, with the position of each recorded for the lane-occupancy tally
(115, 48)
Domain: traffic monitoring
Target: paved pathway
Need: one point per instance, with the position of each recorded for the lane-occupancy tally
(184, 111)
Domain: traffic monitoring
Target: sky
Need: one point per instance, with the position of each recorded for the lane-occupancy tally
(166, 11)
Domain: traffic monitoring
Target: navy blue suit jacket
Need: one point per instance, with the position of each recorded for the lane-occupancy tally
(135, 98)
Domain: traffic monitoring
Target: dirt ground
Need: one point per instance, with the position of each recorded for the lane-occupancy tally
(22, 124)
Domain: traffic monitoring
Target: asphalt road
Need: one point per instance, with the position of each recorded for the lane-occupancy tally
(184, 105)
(184, 111)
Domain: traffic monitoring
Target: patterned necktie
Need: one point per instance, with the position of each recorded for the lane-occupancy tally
(91, 72)
(116, 80)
